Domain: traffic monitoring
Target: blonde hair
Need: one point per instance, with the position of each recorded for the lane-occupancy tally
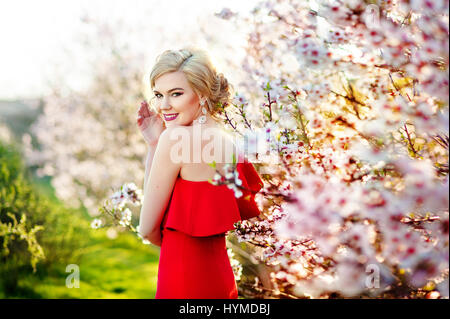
(200, 73)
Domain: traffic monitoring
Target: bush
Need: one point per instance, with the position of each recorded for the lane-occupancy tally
(36, 234)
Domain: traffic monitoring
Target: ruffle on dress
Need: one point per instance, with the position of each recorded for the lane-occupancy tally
(199, 208)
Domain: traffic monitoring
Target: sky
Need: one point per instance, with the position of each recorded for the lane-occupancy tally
(32, 33)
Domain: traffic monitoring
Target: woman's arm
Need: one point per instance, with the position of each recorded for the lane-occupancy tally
(156, 238)
(148, 163)
(158, 188)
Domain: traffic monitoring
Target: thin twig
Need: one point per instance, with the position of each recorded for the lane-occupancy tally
(270, 106)
(241, 111)
(305, 133)
(409, 141)
(229, 121)
(351, 99)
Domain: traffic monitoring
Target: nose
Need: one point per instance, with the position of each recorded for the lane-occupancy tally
(165, 104)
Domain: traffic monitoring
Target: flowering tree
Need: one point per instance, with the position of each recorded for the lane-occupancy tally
(346, 110)
(87, 138)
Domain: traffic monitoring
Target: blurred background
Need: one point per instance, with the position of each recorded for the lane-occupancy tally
(73, 75)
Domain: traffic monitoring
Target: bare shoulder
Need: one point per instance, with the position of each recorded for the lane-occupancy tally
(207, 145)
(211, 142)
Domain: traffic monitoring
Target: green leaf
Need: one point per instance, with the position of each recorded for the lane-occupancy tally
(213, 164)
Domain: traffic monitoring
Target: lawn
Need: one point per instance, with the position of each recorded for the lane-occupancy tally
(119, 268)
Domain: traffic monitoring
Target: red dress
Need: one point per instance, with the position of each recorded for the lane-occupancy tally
(193, 262)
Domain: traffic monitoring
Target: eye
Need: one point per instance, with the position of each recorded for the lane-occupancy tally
(157, 95)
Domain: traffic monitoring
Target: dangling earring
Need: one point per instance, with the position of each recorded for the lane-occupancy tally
(202, 119)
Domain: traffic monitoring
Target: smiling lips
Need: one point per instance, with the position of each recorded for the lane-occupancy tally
(170, 117)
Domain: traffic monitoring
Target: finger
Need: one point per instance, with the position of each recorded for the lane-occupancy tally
(144, 104)
(139, 120)
(146, 111)
(141, 110)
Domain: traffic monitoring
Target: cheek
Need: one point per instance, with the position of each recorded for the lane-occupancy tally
(187, 105)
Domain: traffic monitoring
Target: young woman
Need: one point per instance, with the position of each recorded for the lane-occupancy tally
(183, 213)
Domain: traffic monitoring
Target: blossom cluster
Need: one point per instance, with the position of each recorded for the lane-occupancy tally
(235, 265)
(229, 178)
(114, 211)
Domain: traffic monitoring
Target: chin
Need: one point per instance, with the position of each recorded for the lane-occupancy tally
(175, 122)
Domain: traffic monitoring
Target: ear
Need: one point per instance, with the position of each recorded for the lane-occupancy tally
(200, 96)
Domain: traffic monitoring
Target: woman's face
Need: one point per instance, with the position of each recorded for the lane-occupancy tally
(175, 99)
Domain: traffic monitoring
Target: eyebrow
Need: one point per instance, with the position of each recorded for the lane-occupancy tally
(169, 90)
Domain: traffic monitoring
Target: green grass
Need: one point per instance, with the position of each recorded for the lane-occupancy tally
(118, 268)
(109, 268)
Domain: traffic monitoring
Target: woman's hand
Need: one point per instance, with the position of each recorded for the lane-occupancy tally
(150, 124)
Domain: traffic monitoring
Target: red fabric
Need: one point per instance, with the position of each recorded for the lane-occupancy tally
(193, 260)
(194, 268)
